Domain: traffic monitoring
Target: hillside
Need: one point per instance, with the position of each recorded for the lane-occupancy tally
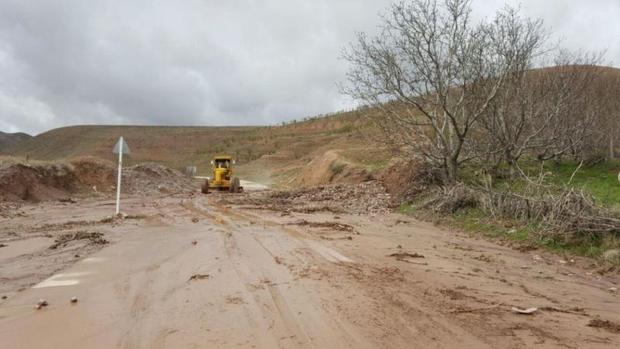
(10, 140)
(268, 154)
(336, 148)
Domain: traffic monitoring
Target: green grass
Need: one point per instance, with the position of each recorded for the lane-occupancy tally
(600, 180)
(475, 221)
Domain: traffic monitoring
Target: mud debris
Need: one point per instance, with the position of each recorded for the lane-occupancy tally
(452, 294)
(42, 303)
(483, 258)
(73, 300)
(605, 324)
(405, 255)
(68, 200)
(328, 225)
(196, 277)
(363, 198)
(234, 300)
(92, 237)
(574, 310)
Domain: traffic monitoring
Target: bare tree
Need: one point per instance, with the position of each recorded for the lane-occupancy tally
(607, 128)
(544, 112)
(433, 74)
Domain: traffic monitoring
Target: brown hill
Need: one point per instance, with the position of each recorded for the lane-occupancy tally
(268, 154)
(10, 140)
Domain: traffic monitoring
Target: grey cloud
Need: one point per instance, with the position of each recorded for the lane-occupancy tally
(208, 62)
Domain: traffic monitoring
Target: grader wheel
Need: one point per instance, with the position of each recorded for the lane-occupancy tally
(205, 187)
(235, 186)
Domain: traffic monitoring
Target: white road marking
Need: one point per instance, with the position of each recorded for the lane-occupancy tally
(329, 254)
(67, 279)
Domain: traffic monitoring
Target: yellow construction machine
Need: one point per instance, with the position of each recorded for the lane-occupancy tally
(222, 178)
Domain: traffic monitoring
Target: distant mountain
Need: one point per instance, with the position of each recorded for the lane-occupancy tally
(9, 140)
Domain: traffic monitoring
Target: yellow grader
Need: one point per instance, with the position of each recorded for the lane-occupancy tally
(222, 178)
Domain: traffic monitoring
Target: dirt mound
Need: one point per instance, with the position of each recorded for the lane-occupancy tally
(95, 173)
(330, 167)
(151, 178)
(44, 181)
(36, 182)
(405, 179)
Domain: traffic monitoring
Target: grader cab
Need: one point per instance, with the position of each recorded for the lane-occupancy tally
(222, 178)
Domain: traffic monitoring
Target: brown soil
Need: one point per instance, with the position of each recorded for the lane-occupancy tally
(45, 181)
(328, 168)
(273, 283)
(405, 179)
(605, 324)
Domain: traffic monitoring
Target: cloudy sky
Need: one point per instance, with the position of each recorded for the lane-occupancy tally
(209, 62)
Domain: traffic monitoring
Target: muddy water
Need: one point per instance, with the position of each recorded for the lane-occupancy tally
(193, 274)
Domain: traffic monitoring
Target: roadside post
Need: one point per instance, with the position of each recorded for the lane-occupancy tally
(120, 148)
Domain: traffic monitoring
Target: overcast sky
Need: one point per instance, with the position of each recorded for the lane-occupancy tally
(209, 62)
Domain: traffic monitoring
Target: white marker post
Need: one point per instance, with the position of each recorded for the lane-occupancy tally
(120, 148)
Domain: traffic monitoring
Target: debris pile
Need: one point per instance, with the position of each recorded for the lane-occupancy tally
(363, 198)
(42, 181)
(92, 237)
(60, 180)
(9, 209)
(367, 197)
(151, 178)
(35, 182)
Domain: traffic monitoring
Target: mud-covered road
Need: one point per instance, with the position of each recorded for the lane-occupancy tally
(186, 272)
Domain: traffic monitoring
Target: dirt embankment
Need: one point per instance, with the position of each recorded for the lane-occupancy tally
(42, 181)
(330, 167)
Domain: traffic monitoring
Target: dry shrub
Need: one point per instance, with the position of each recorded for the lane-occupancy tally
(568, 215)
(453, 199)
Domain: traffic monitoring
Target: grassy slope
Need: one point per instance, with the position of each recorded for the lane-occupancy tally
(600, 181)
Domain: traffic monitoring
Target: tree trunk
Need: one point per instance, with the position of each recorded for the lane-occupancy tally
(512, 164)
(611, 147)
(452, 167)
